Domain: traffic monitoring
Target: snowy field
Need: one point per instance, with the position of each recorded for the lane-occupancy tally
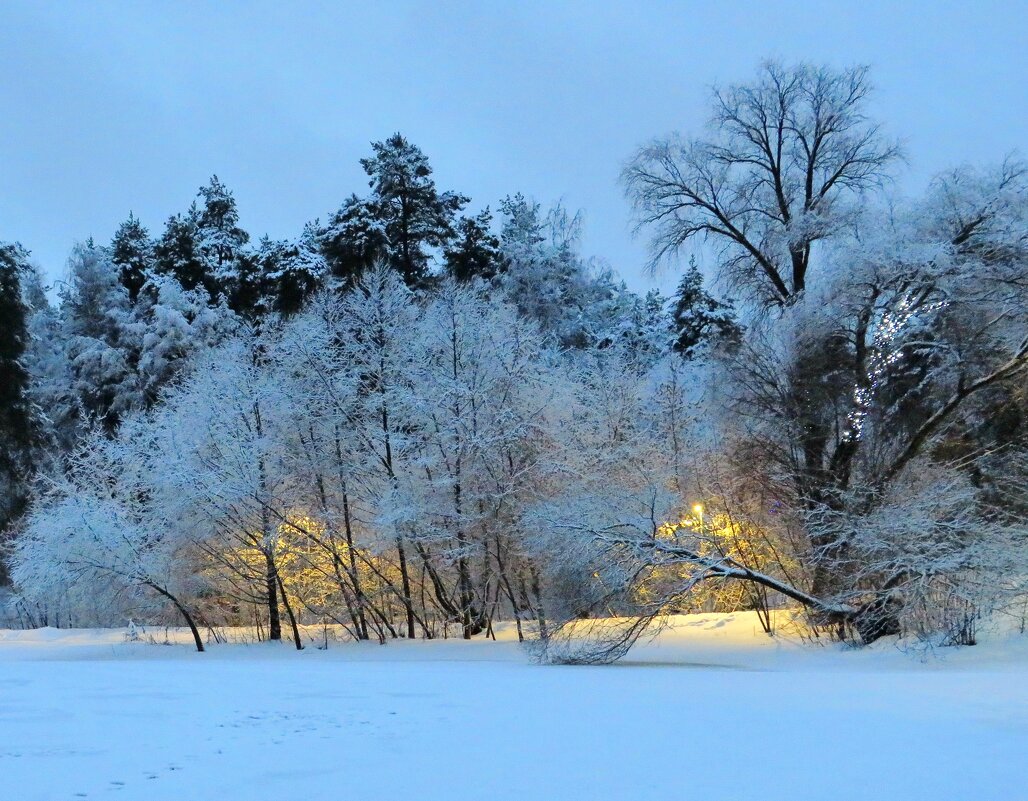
(709, 711)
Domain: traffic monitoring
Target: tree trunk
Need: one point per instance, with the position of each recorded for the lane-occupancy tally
(274, 621)
(878, 619)
(289, 612)
(197, 640)
(544, 633)
(354, 574)
(468, 629)
(405, 583)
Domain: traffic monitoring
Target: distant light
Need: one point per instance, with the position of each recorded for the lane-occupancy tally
(698, 508)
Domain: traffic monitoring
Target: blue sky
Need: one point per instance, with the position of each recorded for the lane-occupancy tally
(107, 107)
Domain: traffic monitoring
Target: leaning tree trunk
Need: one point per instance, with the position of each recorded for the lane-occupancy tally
(197, 640)
(271, 579)
(289, 613)
(362, 621)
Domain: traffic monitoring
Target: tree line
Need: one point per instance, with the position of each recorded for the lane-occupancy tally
(412, 418)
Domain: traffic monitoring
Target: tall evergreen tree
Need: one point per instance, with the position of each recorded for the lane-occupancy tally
(100, 336)
(221, 241)
(415, 215)
(698, 318)
(474, 251)
(247, 290)
(177, 253)
(47, 361)
(353, 240)
(206, 247)
(133, 251)
(16, 427)
(543, 272)
(299, 269)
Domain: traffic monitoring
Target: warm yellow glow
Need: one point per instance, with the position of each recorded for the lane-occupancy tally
(743, 541)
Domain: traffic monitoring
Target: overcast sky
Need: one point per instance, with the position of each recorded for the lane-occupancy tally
(109, 107)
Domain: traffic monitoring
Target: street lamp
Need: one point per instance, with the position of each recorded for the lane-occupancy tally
(697, 509)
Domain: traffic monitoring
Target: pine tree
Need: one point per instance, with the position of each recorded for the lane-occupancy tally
(221, 242)
(133, 251)
(354, 239)
(414, 214)
(100, 335)
(48, 364)
(205, 247)
(177, 253)
(543, 273)
(16, 423)
(699, 319)
(284, 275)
(176, 324)
(475, 250)
(299, 271)
(247, 291)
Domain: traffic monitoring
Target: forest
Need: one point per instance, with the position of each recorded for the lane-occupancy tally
(419, 421)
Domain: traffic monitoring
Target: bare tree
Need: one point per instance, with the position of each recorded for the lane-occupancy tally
(771, 179)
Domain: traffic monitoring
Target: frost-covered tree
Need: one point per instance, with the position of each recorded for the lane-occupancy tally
(292, 271)
(608, 464)
(51, 381)
(332, 559)
(380, 316)
(95, 546)
(481, 379)
(133, 251)
(613, 315)
(101, 342)
(544, 274)
(175, 253)
(222, 467)
(221, 240)
(221, 244)
(882, 373)
(172, 325)
(205, 246)
(699, 319)
(576, 302)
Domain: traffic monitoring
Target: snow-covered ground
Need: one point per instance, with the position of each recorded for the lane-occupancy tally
(711, 710)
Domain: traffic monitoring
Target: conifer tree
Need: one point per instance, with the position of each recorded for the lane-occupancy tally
(299, 269)
(133, 251)
(475, 250)
(177, 253)
(699, 318)
(16, 426)
(100, 338)
(221, 241)
(206, 247)
(415, 215)
(352, 241)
